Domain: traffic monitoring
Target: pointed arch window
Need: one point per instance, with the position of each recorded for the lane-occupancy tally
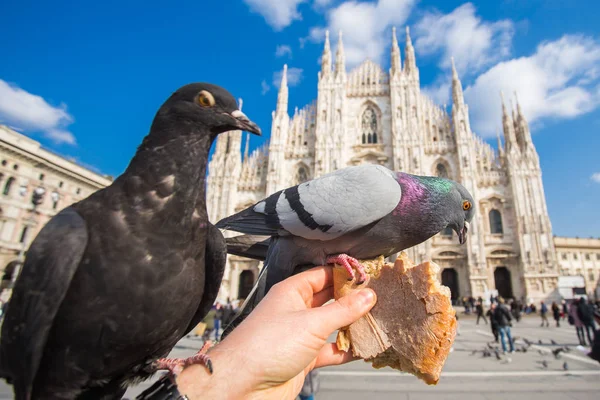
(496, 222)
(369, 126)
(441, 170)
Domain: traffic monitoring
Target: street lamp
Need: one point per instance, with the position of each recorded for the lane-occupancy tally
(38, 196)
(55, 197)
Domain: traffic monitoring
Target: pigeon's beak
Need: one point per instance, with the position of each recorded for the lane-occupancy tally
(462, 234)
(243, 123)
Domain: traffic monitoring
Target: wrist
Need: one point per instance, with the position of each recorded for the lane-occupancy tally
(226, 382)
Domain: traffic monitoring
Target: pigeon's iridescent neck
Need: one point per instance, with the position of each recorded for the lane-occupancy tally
(417, 190)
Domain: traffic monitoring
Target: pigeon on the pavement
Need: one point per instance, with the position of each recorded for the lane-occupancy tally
(556, 352)
(112, 282)
(553, 342)
(540, 341)
(545, 364)
(527, 342)
(354, 213)
(565, 366)
(497, 353)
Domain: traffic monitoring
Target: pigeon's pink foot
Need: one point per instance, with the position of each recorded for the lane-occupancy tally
(176, 365)
(348, 262)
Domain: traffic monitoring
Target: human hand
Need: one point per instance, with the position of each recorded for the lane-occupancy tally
(285, 337)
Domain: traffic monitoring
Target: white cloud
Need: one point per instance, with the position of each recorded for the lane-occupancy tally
(365, 27)
(264, 87)
(29, 112)
(596, 177)
(560, 80)
(439, 91)
(294, 77)
(283, 50)
(277, 13)
(302, 42)
(474, 43)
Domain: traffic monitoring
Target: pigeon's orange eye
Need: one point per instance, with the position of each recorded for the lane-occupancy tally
(466, 205)
(205, 99)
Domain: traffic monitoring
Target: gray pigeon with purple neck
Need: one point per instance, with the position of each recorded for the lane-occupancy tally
(354, 213)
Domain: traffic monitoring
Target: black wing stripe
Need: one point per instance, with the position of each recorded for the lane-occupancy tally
(272, 219)
(293, 197)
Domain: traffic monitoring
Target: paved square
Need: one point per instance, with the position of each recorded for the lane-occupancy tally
(466, 375)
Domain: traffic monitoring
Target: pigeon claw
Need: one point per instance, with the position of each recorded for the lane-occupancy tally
(176, 365)
(348, 263)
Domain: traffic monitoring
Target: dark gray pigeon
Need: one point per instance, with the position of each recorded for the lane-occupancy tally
(353, 213)
(111, 283)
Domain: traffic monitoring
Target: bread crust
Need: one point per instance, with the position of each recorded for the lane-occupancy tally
(413, 325)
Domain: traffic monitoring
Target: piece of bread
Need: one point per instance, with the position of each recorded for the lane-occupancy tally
(412, 326)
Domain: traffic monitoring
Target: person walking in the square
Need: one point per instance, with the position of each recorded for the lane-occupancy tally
(310, 386)
(503, 319)
(218, 319)
(494, 325)
(556, 313)
(515, 309)
(585, 312)
(543, 313)
(227, 313)
(480, 314)
(573, 316)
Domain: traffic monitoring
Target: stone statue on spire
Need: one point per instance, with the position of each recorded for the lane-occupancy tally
(326, 58)
(396, 62)
(410, 65)
(457, 91)
(340, 58)
(282, 96)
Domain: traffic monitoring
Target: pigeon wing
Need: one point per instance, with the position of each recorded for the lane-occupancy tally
(250, 246)
(51, 262)
(214, 267)
(324, 208)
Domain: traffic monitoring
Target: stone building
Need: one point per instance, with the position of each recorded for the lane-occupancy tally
(35, 184)
(580, 257)
(369, 115)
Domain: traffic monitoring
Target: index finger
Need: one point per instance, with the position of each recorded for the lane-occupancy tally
(309, 282)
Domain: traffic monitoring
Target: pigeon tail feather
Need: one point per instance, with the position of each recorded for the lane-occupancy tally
(247, 221)
(250, 246)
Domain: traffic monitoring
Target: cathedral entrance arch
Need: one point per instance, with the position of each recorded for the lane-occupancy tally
(450, 279)
(246, 284)
(503, 282)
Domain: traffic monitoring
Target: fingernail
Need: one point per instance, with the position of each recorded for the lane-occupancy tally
(367, 297)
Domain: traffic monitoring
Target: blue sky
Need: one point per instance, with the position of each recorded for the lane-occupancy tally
(86, 78)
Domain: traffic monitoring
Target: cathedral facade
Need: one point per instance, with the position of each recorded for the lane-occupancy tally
(369, 115)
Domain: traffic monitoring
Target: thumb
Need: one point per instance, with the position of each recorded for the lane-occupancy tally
(343, 311)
